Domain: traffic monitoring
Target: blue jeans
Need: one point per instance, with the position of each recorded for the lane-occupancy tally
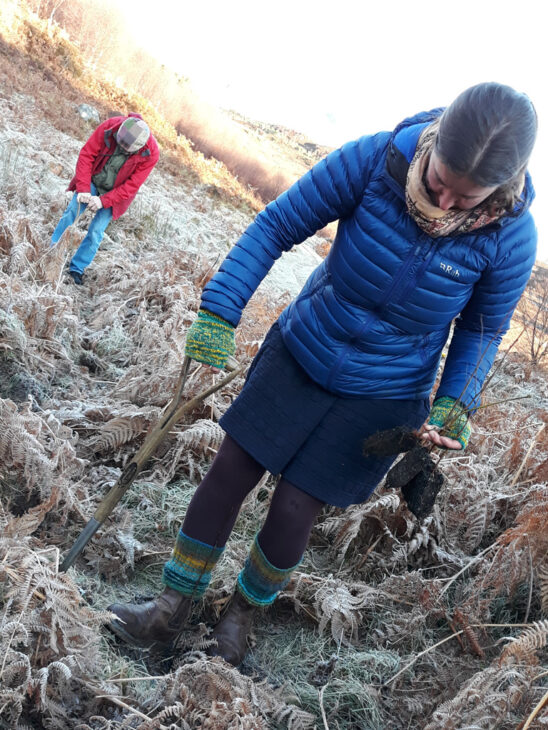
(90, 245)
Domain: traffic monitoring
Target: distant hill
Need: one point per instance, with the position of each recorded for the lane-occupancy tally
(66, 56)
(292, 149)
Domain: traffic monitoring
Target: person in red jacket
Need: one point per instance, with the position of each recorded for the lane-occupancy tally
(111, 167)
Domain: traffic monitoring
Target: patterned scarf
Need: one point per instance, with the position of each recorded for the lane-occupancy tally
(433, 220)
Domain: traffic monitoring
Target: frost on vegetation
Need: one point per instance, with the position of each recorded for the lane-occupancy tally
(115, 345)
(47, 636)
(386, 623)
(11, 168)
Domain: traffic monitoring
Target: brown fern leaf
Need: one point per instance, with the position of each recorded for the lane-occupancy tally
(522, 649)
(515, 451)
(179, 711)
(474, 524)
(51, 263)
(44, 629)
(99, 414)
(220, 697)
(202, 435)
(530, 527)
(510, 565)
(20, 448)
(27, 523)
(339, 604)
(42, 315)
(484, 700)
(21, 254)
(346, 527)
(540, 473)
(119, 431)
(542, 572)
(469, 632)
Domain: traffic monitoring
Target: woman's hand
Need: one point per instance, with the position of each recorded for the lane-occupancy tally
(450, 418)
(431, 433)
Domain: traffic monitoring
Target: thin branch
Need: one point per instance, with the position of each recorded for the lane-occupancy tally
(133, 711)
(530, 597)
(525, 458)
(472, 562)
(123, 680)
(502, 402)
(61, 272)
(535, 712)
(443, 641)
(324, 718)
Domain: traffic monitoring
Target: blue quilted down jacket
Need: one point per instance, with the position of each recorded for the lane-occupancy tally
(373, 318)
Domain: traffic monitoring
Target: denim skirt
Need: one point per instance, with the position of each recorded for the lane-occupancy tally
(309, 436)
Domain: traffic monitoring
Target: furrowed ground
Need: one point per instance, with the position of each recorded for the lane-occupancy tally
(388, 622)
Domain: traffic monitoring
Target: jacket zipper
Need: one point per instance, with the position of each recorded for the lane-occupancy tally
(404, 269)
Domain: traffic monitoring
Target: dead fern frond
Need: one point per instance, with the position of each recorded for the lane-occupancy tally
(469, 632)
(339, 604)
(346, 527)
(20, 447)
(484, 700)
(516, 549)
(522, 649)
(227, 698)
(119, 431)
(542, 572)
(28, 523)
(201, 439)
(51, 263)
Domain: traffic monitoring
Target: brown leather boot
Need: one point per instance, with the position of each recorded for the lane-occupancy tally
(153, 624)
(233, 630)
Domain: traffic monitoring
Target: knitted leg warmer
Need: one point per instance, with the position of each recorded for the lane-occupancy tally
(260, 581)
(190, 566)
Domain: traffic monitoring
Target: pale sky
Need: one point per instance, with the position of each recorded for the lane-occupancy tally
(336, 70)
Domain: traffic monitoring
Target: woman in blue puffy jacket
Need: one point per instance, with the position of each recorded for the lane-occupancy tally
(434, 229)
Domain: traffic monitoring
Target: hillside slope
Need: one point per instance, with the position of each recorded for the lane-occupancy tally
(388, 624)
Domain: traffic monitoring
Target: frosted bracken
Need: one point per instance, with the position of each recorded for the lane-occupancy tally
(388, 623)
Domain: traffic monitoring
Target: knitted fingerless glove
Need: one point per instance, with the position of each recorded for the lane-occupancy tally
(451, 417)
(210, 340)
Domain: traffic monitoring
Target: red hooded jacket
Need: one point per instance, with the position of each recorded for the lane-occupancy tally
(94, 155)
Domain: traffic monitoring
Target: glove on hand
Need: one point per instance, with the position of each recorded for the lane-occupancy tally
(83, 198)
(210, 340)
(95, 203)
(451, 417)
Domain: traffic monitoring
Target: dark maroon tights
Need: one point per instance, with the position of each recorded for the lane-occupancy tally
(215, 505)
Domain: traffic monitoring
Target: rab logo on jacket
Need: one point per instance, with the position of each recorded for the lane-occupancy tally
(449, 270)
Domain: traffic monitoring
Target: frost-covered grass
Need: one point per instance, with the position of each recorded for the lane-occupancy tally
(385, 621)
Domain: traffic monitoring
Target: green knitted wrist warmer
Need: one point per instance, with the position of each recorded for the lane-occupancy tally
(450, 416)
(210, 339)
